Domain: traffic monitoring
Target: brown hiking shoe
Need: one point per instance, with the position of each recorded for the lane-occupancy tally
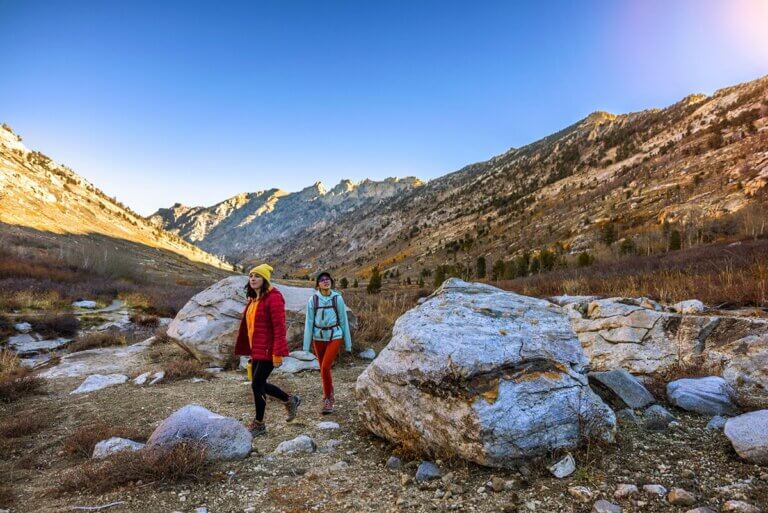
(327, 406)
(292, 406)
(257, 428)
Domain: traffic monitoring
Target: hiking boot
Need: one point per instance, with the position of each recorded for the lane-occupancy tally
(291, 406)
(327, 406)
(258, 428)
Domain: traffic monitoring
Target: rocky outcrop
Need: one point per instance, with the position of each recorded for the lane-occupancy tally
(645, 338)
(484, 374)
(106, 360)
(208, 323)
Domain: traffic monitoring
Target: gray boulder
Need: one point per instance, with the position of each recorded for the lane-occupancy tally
(689, 307)
(427, 471)
(300, 444)
(709, 396)
(23, 327)
(488, 375)
(657, 418)
(368, 354)
(619, 386)
(298, 361)
(748, 434)
(224, 438)
(114, 445)
(717, 423)
(98, 381)
(105, 360)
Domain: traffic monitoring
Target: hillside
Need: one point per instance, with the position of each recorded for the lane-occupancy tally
(37, 194)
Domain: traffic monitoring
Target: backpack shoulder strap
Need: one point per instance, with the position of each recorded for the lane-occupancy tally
(335, 308)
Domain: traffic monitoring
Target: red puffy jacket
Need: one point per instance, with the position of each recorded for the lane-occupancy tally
(269, 332)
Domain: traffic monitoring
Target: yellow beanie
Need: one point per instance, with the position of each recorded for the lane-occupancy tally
(263, 270)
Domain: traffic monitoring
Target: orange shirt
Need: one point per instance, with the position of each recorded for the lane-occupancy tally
(250, 318)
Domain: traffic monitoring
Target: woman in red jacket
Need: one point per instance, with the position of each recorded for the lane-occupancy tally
(262, 337)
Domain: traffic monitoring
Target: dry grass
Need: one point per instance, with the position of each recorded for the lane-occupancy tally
(376, 314)
(7, 497)
(145, 321)
(85, 438)
(183, 462)
(56, 325)
(722, 275)
(97, 339)
(19, 383)
(184, 368)
(8, 361)
(25, 424)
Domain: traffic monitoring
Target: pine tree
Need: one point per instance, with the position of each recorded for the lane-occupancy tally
(374, 284)
(480, 267)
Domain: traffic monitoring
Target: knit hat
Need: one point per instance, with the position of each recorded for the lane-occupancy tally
(320, 275)
(263, 270)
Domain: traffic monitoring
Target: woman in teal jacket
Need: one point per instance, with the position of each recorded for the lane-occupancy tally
(325, 328)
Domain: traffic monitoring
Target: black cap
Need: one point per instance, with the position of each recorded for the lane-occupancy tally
(320, 275)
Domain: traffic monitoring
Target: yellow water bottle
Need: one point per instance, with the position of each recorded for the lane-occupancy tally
(249, 369)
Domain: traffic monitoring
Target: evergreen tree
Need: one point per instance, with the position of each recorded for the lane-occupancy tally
(675, 240)
(374, 284)
(344, 283)
(480, 267)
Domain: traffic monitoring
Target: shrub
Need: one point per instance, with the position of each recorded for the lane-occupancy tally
(184, 369)
(97, 339)
(19, 383)
(85, 438)
(374, 284)
(24, 424)
(145, 321)
(185, 461)
(56, 325)
(585, 259)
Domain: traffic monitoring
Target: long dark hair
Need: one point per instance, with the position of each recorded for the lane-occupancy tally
(251, 292)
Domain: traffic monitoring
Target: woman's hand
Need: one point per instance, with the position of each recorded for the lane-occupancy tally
(277, 361)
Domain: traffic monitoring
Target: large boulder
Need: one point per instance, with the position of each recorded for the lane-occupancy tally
(621, 388)
(224, 438)
(744, 364)
(488, 375)
(208, 323)
(711, 395)
(105, 360)
(748, 434)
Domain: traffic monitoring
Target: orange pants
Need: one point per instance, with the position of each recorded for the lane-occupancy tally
(326, 354)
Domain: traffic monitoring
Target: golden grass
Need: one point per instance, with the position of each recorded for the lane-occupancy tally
(85, 438)
(97, 339)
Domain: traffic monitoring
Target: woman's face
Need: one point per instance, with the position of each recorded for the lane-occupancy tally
(324, 283)
(256, 281)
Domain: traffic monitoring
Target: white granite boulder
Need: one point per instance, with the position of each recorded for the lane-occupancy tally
(488, 375)
(748, 434)
(98, 381)
(711, 395)
(114, 445)
(224, 438)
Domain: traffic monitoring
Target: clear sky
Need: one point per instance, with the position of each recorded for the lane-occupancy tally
(160, 102)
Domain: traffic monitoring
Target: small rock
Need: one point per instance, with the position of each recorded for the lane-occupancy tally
(394, 463)
(157, 377)
(711, 395)
(497, 484)
(621, 387)
(603, 506)
(627, 416)
(427, 471)
(198, 380)
(84, 303)
(214, 370)
(655, 489)
(563, 468)
(328, 425)
(201, 510)
(23, 327)
(405, 479)
(141, 379)
(625, 490)
(581, 494)
(680, 497)
(657, 418)
(689, 307)
(250, 509)
(740, 507)
(114, 445)
(339, 466)
(98, 381)
(702, 509)
(717, 423)
(301, 443)
(368, 354)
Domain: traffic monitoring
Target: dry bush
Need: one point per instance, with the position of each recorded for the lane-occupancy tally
(11, 299)
(56, 325)
(85, 438)
(7, 497)
(376, 315)
(185, 461)
(145, 321)
(25, 423)
(6, 327)
(97, 339)
(8, 361)
(18, 383)
(184, 368)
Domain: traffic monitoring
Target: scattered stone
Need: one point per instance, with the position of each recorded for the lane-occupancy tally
(84, 303)
(709, 396)
(717, 423)
(224, 438)
(603, 506)
(368, 354)
(394, 463)
(427, 471)
(581, 494)
(563, 468)
(292, 365)
(657, 418)
(198, 380)
(300, 444)
(214, 370)
(98, 381)
(23, 327)
(114, 445)
(627, 416)
(141, 379)
(702, 509)
(625, 490)
(498, 484)
(157, 377)
(27, 344)
(748, 434)
(483, 331)
(689, 307)
(740, 507)
(339, 466)
(655, 489)
(680, 497)
(328, 425)
(619, 386)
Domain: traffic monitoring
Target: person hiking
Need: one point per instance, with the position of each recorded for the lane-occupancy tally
(325, 328)
(261, 337)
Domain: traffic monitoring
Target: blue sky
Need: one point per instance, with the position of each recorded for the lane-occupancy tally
(159, 102)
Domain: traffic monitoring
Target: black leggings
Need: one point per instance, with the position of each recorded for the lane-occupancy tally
(261, 389)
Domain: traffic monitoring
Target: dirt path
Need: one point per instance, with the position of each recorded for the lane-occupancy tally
(690, 457)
